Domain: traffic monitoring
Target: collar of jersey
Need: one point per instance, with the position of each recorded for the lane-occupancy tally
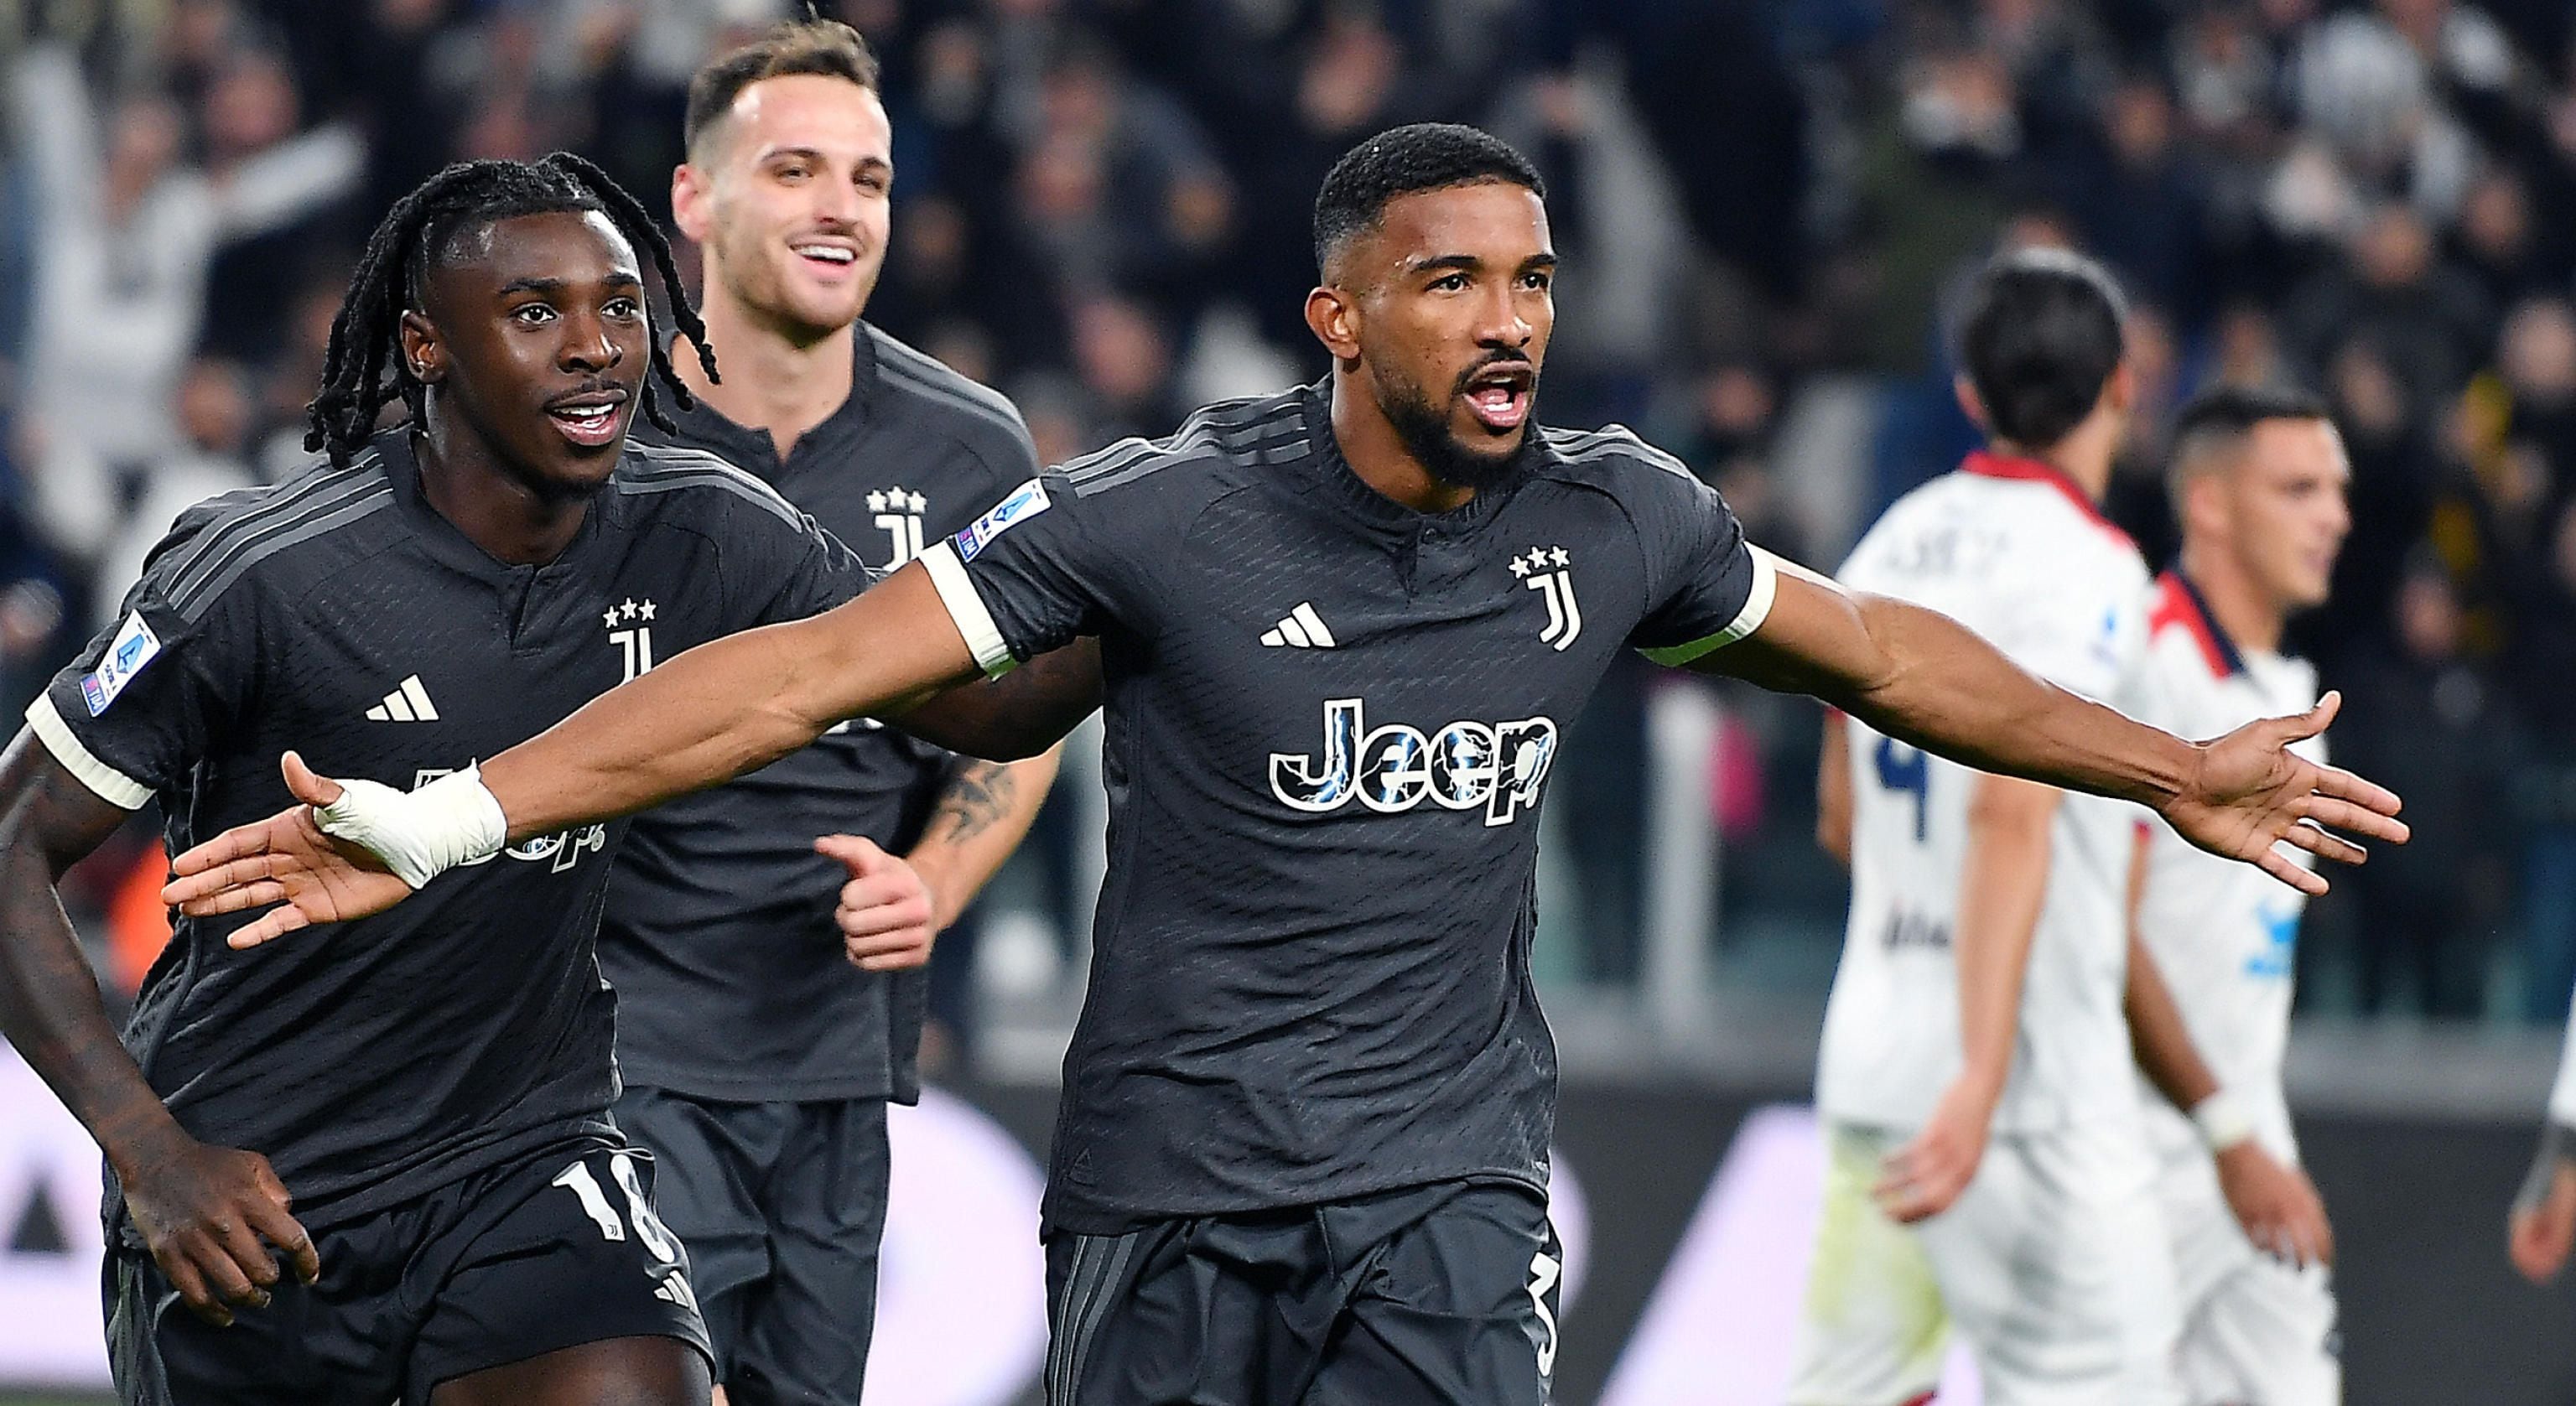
(447, 542)
(1985, 463)
(2181, 602)
(1343, 484)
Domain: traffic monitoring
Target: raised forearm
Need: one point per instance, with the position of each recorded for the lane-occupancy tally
(729, 706)
(2002, 885)
(980, 817)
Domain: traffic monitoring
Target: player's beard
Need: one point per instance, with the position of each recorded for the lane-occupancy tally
(759, 286)
(1423, 428)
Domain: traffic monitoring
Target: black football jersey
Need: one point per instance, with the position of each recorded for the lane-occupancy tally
(339, 615)
(730, 978)
(1330, 721)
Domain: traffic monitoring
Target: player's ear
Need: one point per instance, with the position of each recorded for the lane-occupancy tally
(423, 354)
(2204, 510)
(2122, 389)
(1969, 404)
(1334, 319)
(690, 197)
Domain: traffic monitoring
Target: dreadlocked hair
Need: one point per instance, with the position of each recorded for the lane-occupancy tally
(361, 372)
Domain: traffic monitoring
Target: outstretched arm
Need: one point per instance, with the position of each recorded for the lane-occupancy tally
(731, 705)
(203, 1211)
(1922, 678)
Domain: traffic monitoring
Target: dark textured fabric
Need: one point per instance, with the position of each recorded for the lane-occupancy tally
(1441, 1295)
(554, 1250)
(339, 615)
(718, 934)
(1329, 722)
(781, 1206)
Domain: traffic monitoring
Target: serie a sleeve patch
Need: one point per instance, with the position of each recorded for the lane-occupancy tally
(134, 647)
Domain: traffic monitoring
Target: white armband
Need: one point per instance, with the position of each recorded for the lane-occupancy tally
(423, 833)
(2223, 1120)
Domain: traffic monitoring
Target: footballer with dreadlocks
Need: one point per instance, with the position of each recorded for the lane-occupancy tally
(431, 1098)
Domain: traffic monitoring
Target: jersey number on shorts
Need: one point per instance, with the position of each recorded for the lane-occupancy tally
(1544, 1272)
(1903, 768)
(594, 1203)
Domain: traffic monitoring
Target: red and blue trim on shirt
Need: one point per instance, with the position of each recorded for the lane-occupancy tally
(2178, 602)
(1985, 463)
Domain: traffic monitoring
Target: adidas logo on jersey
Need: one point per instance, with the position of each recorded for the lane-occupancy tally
(1301, 628)
(407, 704)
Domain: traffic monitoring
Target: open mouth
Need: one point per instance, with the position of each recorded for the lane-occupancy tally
(824, 256)
(1500, 398)
(589, 420)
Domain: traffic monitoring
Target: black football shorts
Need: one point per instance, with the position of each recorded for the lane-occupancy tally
(546, 1252)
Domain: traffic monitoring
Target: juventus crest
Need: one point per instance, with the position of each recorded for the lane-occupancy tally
(1547, 571)
(898, 514)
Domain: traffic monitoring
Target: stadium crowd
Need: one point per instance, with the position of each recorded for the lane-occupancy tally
(1767, 207)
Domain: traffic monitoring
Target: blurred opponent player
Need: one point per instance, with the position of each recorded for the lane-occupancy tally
(758, 1058)
(2258, 482)
(1986, 1163)
(1302, 1152)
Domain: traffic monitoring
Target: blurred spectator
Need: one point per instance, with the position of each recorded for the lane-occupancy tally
(2494, 242)
(2138, 200)
(276, 192)
(1125, 361)
(124, 234)
(2392, 501)
(2367, 94)
(215, 413)
(2428, 724)
(2426, 320)
(2541, 670)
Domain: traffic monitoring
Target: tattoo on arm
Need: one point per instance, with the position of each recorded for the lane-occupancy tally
(978, 795)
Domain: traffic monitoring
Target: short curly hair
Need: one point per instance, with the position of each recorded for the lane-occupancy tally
(1402, 161)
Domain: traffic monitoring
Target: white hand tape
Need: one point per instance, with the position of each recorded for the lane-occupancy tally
(423, 833)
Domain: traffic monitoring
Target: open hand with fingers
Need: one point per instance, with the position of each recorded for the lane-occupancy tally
(288, 860)
(216, 1221)
(2251, 792)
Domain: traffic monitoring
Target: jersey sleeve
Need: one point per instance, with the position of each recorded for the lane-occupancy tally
(1706, 586)
(150, 696)
(1044, 565)
(798, 568)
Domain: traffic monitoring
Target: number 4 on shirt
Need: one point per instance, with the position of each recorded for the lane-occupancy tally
(1903, 768)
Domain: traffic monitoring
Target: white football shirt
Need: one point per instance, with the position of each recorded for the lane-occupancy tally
(2223, 934)
(2013, 550)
